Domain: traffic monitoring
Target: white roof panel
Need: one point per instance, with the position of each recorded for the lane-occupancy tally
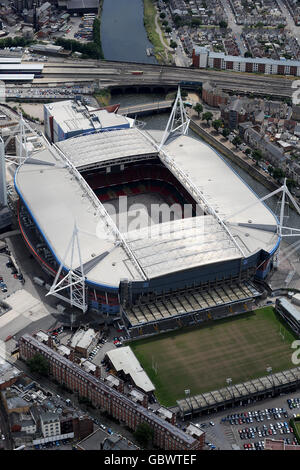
(124, 359)
(105, 146)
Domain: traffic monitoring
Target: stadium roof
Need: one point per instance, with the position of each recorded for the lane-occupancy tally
(123, 359)
(254, 227)
(181, 244)
(64, 198)
(87, 150)
(239, 391)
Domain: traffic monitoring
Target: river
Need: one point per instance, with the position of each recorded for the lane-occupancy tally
(123, 35)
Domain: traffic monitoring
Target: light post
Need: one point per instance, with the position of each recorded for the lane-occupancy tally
(229, 382)
(269, 371)
(188, 394)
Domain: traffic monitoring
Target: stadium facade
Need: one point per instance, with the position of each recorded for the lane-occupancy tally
(182, 271)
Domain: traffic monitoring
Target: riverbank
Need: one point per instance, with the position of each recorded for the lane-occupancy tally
(154, 37)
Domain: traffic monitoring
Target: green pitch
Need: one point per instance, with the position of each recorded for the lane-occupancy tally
(201, 358)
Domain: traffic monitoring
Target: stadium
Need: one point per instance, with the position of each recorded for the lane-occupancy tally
(185, 270)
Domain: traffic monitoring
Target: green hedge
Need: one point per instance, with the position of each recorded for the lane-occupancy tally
(296, 428)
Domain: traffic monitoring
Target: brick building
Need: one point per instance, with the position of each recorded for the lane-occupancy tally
(166, 435)
(212, 95)
(202, 57)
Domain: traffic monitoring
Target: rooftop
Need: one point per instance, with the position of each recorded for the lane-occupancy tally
(93, 441)
(64, 197)
(73, 116)
(123, 359)
(83, 338)
(8, 372)
(106, 147)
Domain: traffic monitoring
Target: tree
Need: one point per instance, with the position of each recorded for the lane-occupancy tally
(247, 54)
(144, 434)
(247, 151)
(162, 15)
(217, 124)
(177, 21)
(184, 94)
(257, 155)
(173, 44)
(237, 141)
(38, 364)
(226, 132)
(165, 23)
(223, 24)
(207, 116)
(168, 29)
(278, 173)
(198, 108)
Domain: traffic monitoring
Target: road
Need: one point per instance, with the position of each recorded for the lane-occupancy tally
(237, 29)
(118, 74)
(295, 30)
(165, 105)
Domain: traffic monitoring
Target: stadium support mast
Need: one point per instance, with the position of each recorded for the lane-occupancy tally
(178, 120)
(3, 189)
(74, 280)
(22, 153)
(282, 230)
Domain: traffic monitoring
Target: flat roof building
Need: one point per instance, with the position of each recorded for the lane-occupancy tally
(8, 375)
(69, 118)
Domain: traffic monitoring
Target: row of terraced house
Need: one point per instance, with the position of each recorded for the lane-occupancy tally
(166, 435)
